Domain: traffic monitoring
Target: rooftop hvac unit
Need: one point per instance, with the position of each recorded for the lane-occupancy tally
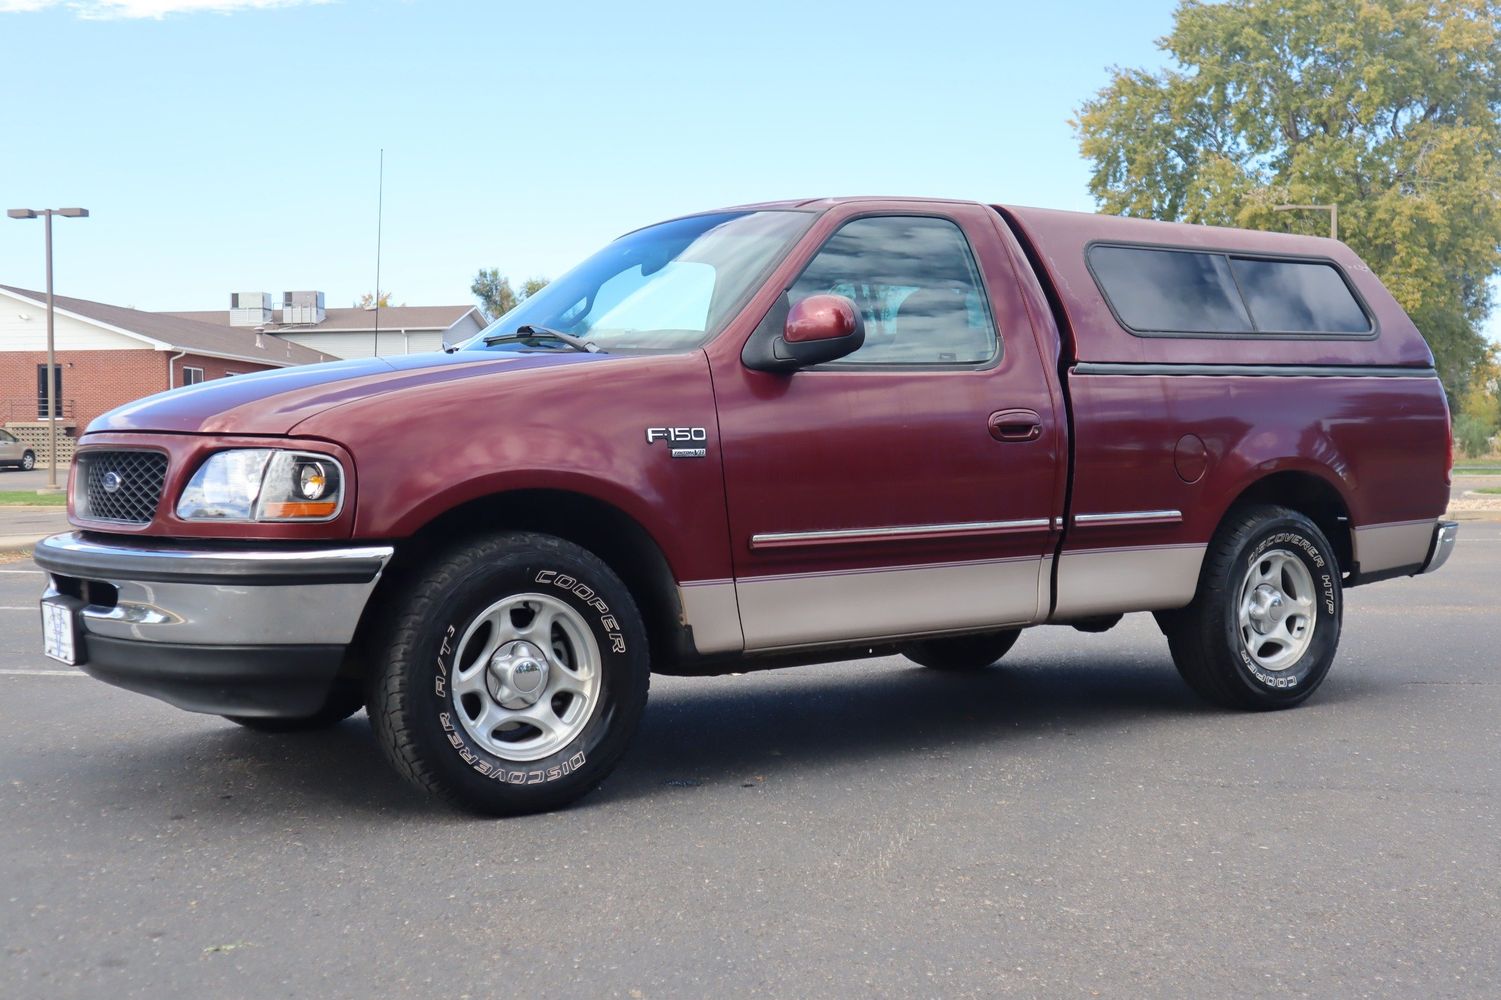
(302, 308)
(250, 308)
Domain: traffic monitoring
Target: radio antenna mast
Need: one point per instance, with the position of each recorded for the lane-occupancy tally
(380, 197)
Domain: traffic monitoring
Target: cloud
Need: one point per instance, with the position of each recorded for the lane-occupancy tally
(108, 10)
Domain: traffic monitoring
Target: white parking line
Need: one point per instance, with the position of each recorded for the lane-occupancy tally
(22, 572)
(43, 673)
(18, 607)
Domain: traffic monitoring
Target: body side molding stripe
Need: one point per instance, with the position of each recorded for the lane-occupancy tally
(1255, 371)
(1130, 517)
(852, 536)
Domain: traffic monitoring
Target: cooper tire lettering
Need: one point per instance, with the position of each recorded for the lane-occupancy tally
(589, 596)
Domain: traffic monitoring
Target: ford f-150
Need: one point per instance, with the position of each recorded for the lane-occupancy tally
(774, 434)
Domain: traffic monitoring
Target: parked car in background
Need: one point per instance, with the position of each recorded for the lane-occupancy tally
(15, 453)
(779, 434)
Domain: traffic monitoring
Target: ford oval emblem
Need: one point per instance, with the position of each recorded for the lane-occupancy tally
(112, 481)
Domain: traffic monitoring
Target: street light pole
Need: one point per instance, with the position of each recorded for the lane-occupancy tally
(51, 373)
(51, 370)
(1333, 211)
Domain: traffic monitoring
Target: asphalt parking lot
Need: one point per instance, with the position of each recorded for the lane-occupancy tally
(1071, 823)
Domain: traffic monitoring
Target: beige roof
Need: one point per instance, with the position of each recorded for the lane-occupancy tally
(357, 320)
(182, 333)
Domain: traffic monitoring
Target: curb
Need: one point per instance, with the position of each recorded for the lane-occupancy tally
(19, 544)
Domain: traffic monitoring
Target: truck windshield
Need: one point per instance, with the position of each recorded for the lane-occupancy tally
(668, 287)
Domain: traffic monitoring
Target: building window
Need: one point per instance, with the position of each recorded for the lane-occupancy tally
(191, 376)
(41, 391)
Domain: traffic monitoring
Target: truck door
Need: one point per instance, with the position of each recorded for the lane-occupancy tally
(912, 486)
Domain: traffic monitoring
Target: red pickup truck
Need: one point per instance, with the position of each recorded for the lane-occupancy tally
(768, 435)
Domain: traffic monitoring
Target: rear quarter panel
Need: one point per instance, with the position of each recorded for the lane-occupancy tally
(1380, 442)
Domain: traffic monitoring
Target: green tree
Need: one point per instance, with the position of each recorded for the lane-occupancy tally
(1479, 416)
(1388, 108)
(495, 294)
(494, 291)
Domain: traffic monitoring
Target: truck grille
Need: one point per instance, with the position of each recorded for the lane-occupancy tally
(120, 485)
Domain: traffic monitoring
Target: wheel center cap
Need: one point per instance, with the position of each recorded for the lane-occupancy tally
(518, 675)
(1267, 608)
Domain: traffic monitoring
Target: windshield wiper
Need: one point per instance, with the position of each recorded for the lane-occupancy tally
(529, 331)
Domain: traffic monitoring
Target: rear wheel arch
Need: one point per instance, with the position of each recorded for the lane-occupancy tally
(1311, 495)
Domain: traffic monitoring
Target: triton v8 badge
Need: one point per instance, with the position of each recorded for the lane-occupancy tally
(687, 442)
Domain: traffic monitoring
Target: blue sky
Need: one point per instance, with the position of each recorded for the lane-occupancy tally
(229, 145)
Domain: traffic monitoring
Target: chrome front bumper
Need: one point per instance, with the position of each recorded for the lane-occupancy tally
(184, 594)
(1444, 535)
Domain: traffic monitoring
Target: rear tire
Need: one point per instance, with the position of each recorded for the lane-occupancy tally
(28, 461)
(964, 652)
(511, 675)
(343, 701)
(1264, 626)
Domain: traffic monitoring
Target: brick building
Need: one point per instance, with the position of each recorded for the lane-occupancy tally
(109, 355)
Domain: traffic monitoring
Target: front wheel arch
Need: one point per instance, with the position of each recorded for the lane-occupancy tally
(600, 528)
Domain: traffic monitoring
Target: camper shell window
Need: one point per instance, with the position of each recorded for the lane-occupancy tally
(1166, 291)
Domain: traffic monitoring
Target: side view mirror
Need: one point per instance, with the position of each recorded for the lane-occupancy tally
(818, 329)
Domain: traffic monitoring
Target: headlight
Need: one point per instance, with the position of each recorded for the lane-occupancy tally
(264, 484)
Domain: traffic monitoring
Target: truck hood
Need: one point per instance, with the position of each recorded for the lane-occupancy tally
(274, 402)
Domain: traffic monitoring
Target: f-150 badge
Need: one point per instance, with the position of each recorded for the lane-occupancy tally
(686, 442)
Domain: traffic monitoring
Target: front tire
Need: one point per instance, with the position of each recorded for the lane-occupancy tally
(1264, 626)
(511, 675)
(28, 461)
(960, 653)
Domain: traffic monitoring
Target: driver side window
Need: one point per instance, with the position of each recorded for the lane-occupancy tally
(915, 283)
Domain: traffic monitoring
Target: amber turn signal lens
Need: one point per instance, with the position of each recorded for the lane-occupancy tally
(323, 508)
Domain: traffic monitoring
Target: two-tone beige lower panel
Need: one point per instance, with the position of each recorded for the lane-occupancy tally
(809, 609)
(1112, 581)
(1381, 547)
(710, 609)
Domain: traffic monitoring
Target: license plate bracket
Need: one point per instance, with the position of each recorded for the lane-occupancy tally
(62, 629)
